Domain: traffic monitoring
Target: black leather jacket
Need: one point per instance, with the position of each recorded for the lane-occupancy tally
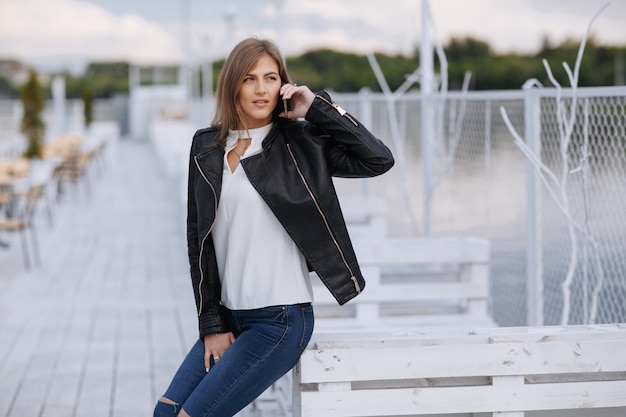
(293, 175)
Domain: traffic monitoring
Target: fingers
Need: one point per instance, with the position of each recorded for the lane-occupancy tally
(287, 91)
(210, 359)
(300, 99)
(214, 347)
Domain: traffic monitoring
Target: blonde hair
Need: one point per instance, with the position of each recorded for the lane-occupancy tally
(243, 57)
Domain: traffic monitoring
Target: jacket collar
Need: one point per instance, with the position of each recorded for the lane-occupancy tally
(210, 161)
(212, 153)
(279, 123)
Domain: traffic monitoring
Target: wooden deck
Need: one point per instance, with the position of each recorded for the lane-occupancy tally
(100, 327)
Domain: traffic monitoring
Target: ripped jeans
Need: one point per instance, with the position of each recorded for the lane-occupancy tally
(269, 342)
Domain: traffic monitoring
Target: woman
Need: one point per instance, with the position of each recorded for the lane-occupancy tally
(262, 213)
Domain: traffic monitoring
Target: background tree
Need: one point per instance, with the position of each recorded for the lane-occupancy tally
(102, 79)
(347, 72)
(602, 65)
(87, 106)
(33, 126)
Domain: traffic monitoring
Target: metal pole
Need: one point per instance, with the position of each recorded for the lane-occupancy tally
(59, 105)
(427, 114)
(185, 76)
(365, 115)
(534, 261)
(280, 25)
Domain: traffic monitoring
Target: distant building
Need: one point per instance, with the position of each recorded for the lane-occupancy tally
(13, 71)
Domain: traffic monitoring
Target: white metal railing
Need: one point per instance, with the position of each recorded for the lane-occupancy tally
(482, 183)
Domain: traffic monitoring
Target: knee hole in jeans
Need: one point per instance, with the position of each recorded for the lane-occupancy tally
(166, 407)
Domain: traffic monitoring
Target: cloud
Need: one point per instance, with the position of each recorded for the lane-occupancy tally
(349, 25)
(521, 25)
(38, 29)
(356, 26)
(150, 31)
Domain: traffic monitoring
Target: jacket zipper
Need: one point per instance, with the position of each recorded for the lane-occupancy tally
(340, 110)
(195, 158)
(306, 185)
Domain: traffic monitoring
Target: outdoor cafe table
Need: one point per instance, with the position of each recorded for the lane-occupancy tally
(9, 185)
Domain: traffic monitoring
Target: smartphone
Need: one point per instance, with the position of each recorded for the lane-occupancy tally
(285, 105)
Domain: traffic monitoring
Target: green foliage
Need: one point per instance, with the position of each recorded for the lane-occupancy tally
(510, 71)
(102, 79)
(160, 75)
(329, 69)
(350, 72)
(347, 72)
(32, 126)
(87, 106)
(496, 73)
(460, 49)
(597, 65)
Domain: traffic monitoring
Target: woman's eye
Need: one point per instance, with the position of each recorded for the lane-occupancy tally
(248, 79)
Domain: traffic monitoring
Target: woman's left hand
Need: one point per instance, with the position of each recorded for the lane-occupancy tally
(300, 99)
(215, 345)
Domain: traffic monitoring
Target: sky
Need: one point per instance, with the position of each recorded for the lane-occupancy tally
(70, 33)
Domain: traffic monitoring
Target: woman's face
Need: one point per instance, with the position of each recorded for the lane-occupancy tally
(258, 93)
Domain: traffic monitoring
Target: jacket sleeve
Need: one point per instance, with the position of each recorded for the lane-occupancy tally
(210, 319)
(193, 246)
(352, 150)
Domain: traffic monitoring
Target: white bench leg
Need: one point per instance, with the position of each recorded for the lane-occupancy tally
(508, 380)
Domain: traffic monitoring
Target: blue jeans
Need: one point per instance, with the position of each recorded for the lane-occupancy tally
(269, 341)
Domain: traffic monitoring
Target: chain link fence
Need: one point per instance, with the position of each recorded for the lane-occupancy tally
(555, 224)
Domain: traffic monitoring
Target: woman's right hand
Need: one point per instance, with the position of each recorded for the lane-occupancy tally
(300, 99)
(215, 345)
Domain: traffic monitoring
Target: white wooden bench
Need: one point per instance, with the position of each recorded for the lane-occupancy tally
(413, 282)
(365, 216)
(501, 371)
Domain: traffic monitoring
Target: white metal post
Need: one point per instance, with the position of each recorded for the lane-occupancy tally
(427, 112)
(59, 105)
(365, 115)
(534, 260)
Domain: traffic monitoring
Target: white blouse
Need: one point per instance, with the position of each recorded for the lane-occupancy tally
(259, 264)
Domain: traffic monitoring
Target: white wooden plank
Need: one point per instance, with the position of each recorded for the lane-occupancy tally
(94, 399)
(332, 325)
(360, 209)
(509, 414)
(296, 392)
(516, 380)
(365, 216)
(61, 399)
(422, 250)
(476, 399)
(411, 292)
(408, 361)
(451, 336)
(449, 300)
(452, 321)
